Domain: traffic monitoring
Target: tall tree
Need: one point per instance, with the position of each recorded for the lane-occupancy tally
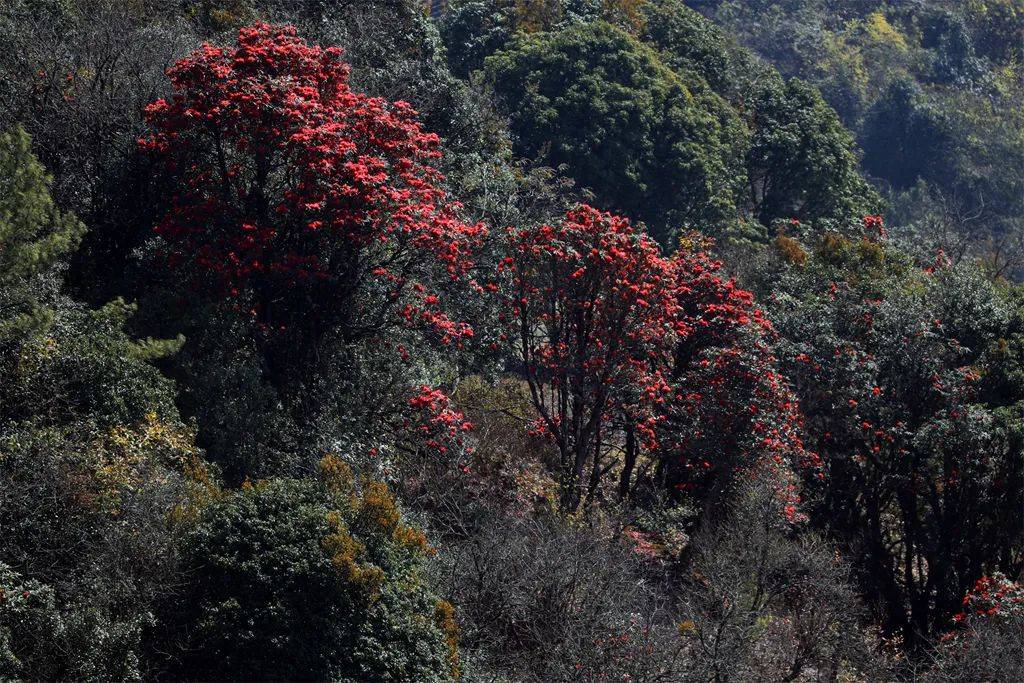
(802, 162)
(731, 410)
(651, 144)
(34, 232)
(315, 209)
(590, 316)
(902, 378)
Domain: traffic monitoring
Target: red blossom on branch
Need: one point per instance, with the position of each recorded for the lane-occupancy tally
(993, 596)
(627, 351)
(591, 321)
(318, 206)
(731, 409)
(434, 422)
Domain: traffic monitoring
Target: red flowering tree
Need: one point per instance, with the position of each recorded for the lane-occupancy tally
(993, 597)
(731, 409)
(899, 385)
(987, 638)
(627, 352)
(314, 209)
(590, 316)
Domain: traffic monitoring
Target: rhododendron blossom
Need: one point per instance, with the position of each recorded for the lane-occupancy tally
(591, 319)
(993, 596)
(436, 423)
(627, 351)
(317, 209)
(893, 396)
(731, 409)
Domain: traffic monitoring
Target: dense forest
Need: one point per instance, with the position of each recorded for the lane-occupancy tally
(512, 340)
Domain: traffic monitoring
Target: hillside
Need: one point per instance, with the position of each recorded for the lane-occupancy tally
(932, 91)
(511, 341)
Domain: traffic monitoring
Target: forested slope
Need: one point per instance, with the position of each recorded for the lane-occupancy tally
(932, 91)
(534, 340)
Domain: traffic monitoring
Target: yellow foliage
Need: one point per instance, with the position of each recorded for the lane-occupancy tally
(444, 618)
(373, 510)
(694, 242)
(845, 58)
(336, 474)
(790, 251)
(345, 552)
(833, 248)
(124, 457)
(870, 253)
(537, 15)
(863, 258)
(631, 11)
(879, 31)
(413, 539)
(32, 357)
(377, 511)
(377, 508)
(222, 15)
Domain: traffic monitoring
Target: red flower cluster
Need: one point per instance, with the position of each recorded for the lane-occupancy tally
(993, 596)
(318, 204)
(874, 227)
(437, 424)
(625, 349)
(732, 410)
(592, 315)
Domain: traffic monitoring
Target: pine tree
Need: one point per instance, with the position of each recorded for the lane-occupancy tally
(34, 233)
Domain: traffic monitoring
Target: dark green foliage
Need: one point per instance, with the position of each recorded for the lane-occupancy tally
(81, 364)
(42, 640)
(92, 455)
(906, 139)
(92, 461)
(642, 128)
(34, 233)
(76, 74)
(649, 143)
(898, 371)
(73, 363)
(689, 42)
(997, 28)
(306, 580)
(945, 33)
(801, 161)
(475, 29)
(34, 236)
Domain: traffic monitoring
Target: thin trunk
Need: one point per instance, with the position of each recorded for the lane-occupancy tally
(629, 462)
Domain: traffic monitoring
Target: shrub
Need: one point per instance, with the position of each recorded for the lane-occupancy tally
(541, 599)
(92, 457)
(759, 604)
(308, 580)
